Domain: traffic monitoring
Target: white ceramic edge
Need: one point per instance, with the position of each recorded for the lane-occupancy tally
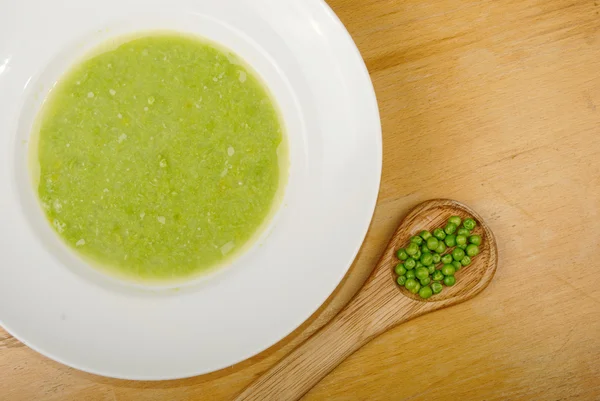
(366, 225)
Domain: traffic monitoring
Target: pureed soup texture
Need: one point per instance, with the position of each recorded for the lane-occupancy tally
(160, 158)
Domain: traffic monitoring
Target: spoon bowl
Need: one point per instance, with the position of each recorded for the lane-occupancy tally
(433, 214)
(380, 305)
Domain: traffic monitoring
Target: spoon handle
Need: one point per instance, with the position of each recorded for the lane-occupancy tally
(304, 367)
(369, 314)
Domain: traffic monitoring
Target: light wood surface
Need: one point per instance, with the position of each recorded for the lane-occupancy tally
(378, 306)
(495, 103)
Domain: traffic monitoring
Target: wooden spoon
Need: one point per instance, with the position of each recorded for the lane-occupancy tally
(380, 305)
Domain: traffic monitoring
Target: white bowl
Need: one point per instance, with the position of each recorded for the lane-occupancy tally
(52, 301)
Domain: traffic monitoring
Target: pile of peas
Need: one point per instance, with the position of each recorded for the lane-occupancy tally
(419, 261)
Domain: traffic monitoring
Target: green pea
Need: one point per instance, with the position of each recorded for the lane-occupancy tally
(425, 235)
(439, 234)
(400, 269)
(436, 288)
(449, 281)
(410, 284)
(424, 249)
(425, 281)
(401, 254)
(450, 228)
(410, 263)
(457, 265)
(401, 280)
(472, 250)
(412, 248)
(421, 273)
(436, 258)
(426, 259)
(475, 239)
(463, 231)
(437, 276)
(416, 240)
(448, 270)
(416, 288)
(466, 261)
(450, 240)
(432, 243)
(410, 274)
(456, 220)
(425, 292)
(463, 246)
(418, 255)
(431, 269)
(461, 240)
(457, 254)
(419, 264)
(469, 224)
(441, 248)
(447, 259)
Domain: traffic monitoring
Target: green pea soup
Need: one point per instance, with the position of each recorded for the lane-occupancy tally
(160, 158)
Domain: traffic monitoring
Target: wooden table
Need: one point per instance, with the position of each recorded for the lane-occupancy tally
(495, 103)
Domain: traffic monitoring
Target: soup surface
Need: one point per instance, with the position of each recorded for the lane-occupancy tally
(159, 158)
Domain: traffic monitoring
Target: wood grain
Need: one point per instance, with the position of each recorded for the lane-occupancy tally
(380, 305)
(495, 103)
